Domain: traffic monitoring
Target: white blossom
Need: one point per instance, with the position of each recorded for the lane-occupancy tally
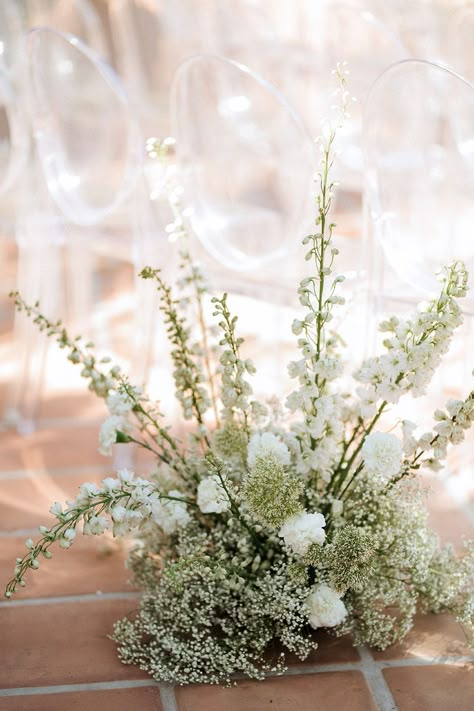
(110, 484)
(119, 404)
(302, 530)
(56, 509)
(264, 444)
(409, 441)
(108, 432)
(86, 491)
(325, 607)
(67, 538)
(382, 454)
(169, 514)
(211, 496)
(95, 526)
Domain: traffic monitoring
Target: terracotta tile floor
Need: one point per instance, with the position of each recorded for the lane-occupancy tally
(54, 646)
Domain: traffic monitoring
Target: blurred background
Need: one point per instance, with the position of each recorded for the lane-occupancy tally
(243, 87)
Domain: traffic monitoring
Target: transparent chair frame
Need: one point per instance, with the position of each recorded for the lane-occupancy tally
(226, 105)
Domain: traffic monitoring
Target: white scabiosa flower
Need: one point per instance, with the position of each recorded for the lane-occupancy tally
(382, 454)
(325, 607)
(211, 496)
(302, 530)
(169, 514)
(261, 445)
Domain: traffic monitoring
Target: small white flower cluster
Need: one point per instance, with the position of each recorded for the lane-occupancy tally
(325, 607)
(382, 454)
(414, 349)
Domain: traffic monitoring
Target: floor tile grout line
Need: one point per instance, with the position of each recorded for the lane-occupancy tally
(367, 666)
(61, 599)
(424, 662)
(70, 688)
(168, 697)
(376, 681)
(295, 670)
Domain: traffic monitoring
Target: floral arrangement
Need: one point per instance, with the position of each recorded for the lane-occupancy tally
(267, 522)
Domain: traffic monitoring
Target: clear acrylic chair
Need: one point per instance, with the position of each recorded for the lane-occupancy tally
(150, 40)
(245, 164)
(14, 137)
(89, 153)
(12, 27)
(76, 17)
(419, 150)
(459, 42)
(296, 46)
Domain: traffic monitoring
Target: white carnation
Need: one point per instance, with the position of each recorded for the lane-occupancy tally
(108, 433)
(211, 496)
(325, 607)
(382, 454)
(301, 530)
(170, 514)
(261, 445)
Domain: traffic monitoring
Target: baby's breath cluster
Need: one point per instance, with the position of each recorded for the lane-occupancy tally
(271, 523)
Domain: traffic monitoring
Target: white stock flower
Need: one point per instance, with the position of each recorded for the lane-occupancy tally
(109, 484)
(211, 496)
(118, 513)
(382, 454)
(67, 538)
(125, 475)
(302, 530)
(95, 526)
(325, 607)
(261, 445)
(169, 514)
(56, 509)
(86, 491)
